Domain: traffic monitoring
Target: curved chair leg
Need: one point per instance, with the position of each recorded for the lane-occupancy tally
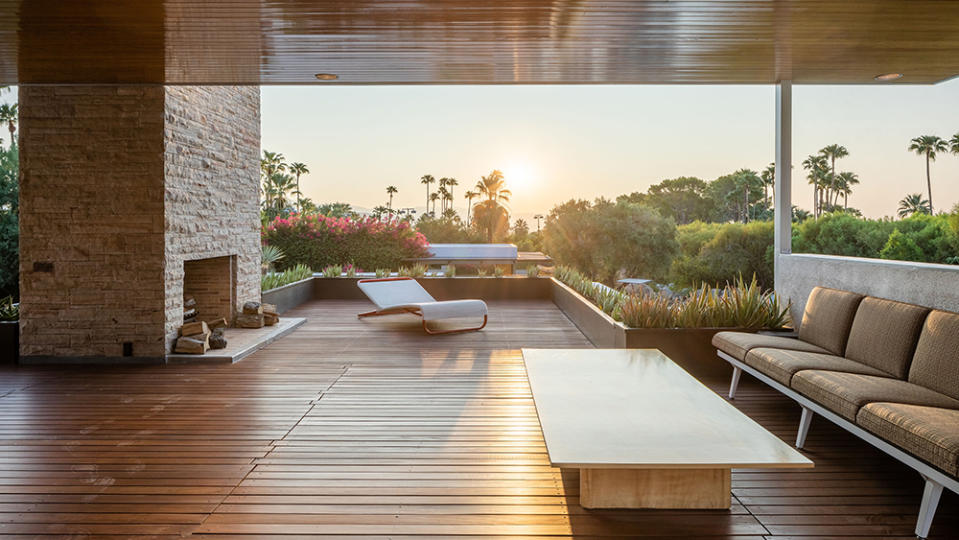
(457, 331)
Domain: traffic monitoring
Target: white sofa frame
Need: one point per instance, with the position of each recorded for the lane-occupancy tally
(935, 479)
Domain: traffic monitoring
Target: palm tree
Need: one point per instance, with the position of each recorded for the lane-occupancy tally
(9, 114)
(768, 177)
(277, 190)
(913, 204)
(444, 196)
(469, 205)
(442, 190)
(799, 214)
(816, 165)
(844, 183)
(954, 144)
(391, 190)
(928, 145)
(379, 211)
(832, 153)
(492, 213)
(427, 179)
(451, 183)
(297, 169)
(270, 164)
(434, 197)
(747, 180)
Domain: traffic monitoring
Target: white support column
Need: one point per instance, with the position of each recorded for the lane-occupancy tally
(783, 186)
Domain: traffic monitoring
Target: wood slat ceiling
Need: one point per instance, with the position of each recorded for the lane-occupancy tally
(458, 41)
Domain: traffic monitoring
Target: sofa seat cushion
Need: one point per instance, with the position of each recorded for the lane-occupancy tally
(781, 365)
(737, 344)
(828, 317)
(929, 433)
(845, 393)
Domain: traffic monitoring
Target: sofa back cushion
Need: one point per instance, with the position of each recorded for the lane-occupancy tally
(884, 335)
(936, 362)
(828, 317)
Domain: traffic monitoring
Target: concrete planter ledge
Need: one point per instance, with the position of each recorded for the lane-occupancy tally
(290, 295)
(691, 348)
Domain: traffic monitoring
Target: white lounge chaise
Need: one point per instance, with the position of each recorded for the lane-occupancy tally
(405, 295)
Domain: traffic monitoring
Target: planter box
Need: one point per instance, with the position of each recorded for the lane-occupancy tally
(9, 342)
(290, 295)
(445, 288)
(602, 330)
(691, 348)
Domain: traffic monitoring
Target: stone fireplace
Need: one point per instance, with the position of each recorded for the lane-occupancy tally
(131, 198)
(211, 284)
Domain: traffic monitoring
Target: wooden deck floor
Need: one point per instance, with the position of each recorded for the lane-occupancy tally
(372, 428)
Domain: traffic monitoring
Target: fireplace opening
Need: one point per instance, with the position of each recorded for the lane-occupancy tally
(209, 289)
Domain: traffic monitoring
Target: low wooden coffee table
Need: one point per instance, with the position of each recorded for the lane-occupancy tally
(642, 431)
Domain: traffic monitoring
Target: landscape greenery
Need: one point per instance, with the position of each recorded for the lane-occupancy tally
(9, 205)
(686, 231)
(738, 304)
(319, 241)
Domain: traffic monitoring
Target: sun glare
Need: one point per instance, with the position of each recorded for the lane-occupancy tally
(520, 174)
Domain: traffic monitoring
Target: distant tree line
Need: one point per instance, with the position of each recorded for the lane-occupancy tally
(9, 204)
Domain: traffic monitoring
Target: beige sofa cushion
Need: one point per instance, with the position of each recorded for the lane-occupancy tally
(737, 344)
(936, 362)
(845, 393)
(828, 317)
(884, 335)
(780, 364)
(929, 433)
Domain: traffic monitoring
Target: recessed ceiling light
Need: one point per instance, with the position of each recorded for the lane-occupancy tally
(888, 76)
(326, 76)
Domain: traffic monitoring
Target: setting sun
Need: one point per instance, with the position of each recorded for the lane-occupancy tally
(520, 174)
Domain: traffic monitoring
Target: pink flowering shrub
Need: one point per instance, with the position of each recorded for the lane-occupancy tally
(320, 241)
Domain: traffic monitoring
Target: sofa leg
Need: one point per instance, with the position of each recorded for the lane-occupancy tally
(737, 372)
(804, 422)
(930, 500)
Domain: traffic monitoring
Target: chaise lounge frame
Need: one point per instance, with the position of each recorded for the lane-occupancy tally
(414, 310)
(935, 479)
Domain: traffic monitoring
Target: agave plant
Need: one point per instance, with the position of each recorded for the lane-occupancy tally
(270, 256)
(647, 311)
(382, 272)
(532, 271)
(450, 270)
(332, 271)
(8, 310)
(498, 271)
(606, 299)
(291, 275)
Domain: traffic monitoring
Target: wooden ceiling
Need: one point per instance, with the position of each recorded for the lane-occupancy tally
(492, 41)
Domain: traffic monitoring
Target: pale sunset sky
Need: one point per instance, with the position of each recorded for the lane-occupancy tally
(559, 142)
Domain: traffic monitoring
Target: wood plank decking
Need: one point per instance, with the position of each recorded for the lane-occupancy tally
(372, 428)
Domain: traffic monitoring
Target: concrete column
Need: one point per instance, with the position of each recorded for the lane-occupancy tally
(783, 186)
